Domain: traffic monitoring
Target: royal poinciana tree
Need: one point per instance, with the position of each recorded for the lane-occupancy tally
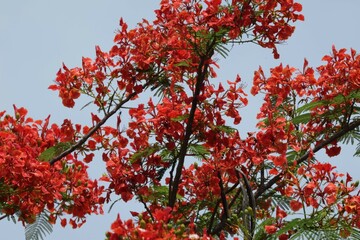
(176, 146)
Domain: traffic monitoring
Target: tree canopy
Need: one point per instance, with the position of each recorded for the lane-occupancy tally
(181, 154)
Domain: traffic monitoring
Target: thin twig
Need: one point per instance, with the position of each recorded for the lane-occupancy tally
(146, 208)
(93, 130)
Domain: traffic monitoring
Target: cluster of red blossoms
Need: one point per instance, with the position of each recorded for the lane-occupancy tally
(180, 154)
(29, 185)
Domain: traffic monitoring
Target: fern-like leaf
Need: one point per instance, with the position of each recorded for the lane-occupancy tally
(282, 201)
(39, 229)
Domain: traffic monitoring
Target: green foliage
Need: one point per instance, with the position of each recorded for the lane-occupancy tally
(113, 203)
(303, 113)
(322, 234)
(303, 118)
(260, 233)
(180, 118)
(226, 129)
(222, 50)
(351, 138)
(39, 229)
(317, 226)
(54, 151)
(199, 151)
(145, 152)
(182, 64)
(282, 201)
(158, 194)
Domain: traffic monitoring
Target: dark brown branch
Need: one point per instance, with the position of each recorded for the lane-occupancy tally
(174, 185)
(252, 202)
(209, 231)
(318, 147)
(213, 217)
(235, 197)
(262, 175)
(218, 203)
(220, 226)
(146, 208)
(226, 207)
(223, 197)
(93, 130)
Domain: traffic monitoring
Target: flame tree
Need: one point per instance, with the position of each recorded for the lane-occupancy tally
(181, 154)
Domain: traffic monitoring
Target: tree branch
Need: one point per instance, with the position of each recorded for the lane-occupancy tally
(318, 147)
(213, 217)
(223, 197)
(252, 203)
(225, 214)
(235, 197)
(93, 130)
(218, 203)
(174, 185)
(146, 208)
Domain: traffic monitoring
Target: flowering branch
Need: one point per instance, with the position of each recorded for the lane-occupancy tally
(318, 147)
(93, 130)
(201, 74)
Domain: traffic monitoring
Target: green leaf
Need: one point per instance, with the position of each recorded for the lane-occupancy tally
(162, 191)
(225, 129)
(304, 118)
(112, 204)
(281, 201)
(336, 100)
(198, 150)
(39, 229)
(339, 99)
(291, 155)
(54, 151)
(357, 151)
(182, 64)
(355, 94)
(159, 194)
(222, 50)
(144, 153)
(260, 228)
(310, 106)
(86, 105)
(180, 118)
(293, 224)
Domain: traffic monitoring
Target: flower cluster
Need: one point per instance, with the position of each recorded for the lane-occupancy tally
(29, 184)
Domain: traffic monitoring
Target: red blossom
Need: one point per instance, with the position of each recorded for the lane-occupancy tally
(295, 205)
(270, 229)
(333, 151)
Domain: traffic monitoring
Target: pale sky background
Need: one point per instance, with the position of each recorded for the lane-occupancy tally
(37, 36)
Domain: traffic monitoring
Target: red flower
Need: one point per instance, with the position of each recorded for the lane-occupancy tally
(309, 188)
(270, 229)
(283, 237)
(330, 188)
(295, 205)
(280, 213)
(333, 151)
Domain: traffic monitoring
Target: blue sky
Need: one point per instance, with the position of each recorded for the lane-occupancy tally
(37, 36)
